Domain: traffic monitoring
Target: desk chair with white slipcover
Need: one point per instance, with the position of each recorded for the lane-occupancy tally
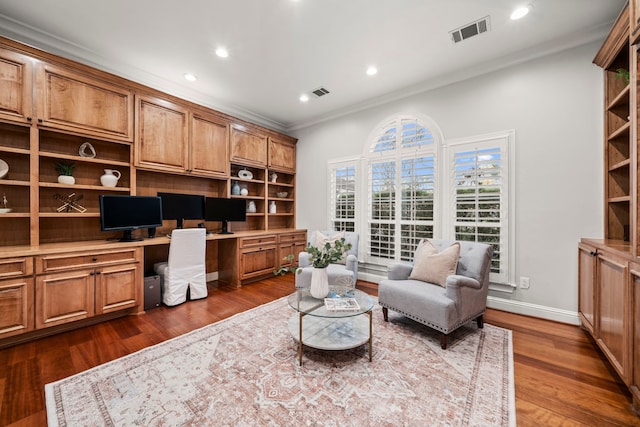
(185, 268)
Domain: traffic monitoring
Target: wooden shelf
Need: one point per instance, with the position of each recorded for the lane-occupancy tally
(14, 182)
(69, 215)
(619, 165)
(621, 131)
(621, 100)
(14, 150)
(83, 187)
(621, 199)
(84, 159)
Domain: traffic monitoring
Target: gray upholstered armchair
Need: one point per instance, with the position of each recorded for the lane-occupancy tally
(346, 273)
(443, 308)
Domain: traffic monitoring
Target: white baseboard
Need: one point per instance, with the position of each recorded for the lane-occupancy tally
(212, 276)
(534, 310)
(511, 306)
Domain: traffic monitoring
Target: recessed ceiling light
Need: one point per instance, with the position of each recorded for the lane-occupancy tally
(222, 52)
(190, 77)
(372, 71)
(304, 98)
(520, 12)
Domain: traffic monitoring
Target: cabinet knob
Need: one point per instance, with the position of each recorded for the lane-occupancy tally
(94, 259)
(39, 120)
(29, 119)
(593, 253)
(98, 272)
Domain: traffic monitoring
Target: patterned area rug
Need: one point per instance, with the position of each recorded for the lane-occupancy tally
(244, 371)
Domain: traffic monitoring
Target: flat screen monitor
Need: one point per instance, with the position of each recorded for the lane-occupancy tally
(182, 206)
(128, 213)
(225, 210)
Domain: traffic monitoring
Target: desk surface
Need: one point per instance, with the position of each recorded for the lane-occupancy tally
(91, 245)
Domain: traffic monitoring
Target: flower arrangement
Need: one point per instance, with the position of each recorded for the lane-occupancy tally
(328, 254)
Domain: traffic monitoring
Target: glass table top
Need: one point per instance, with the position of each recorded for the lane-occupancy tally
(302, 301)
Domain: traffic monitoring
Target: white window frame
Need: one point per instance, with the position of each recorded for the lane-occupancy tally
(444, 197)
(504, 140)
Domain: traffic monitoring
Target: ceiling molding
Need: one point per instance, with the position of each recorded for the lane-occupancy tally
(49, 43)
(554, 46)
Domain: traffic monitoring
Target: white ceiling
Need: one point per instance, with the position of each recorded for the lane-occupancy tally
(279, 49)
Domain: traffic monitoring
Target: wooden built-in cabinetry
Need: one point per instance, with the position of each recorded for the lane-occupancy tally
(609, 268)
(49, 108)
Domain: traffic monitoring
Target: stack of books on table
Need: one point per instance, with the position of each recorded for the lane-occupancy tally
(341, 304)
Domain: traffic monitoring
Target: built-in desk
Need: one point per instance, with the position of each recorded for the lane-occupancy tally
(54, 287)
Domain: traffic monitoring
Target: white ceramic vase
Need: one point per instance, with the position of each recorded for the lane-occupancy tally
(110, 178)
(319, 283)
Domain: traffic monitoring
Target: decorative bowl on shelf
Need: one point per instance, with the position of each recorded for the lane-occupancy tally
(5, 210)
(282, 194)
(4, 168)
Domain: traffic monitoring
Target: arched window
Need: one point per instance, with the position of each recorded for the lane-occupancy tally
(411, 184)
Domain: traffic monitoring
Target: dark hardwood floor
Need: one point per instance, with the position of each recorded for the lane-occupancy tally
(561, 378)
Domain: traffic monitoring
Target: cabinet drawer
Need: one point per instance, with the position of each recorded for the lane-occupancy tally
(63, 262)
(296, 237)
(16, 267)
(251, 242)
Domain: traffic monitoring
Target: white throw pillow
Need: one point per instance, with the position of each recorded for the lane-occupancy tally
(432, 266)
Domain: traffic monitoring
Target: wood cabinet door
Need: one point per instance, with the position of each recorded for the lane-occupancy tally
(209, 146)
(282, 155)
(613, 312)
(64, 297)
(74, 102)
(116, 288)
(162, 135)
(258, 261)
(248, 147)
(16, 306)
(635, 343)
(586, 286)
(16, 86)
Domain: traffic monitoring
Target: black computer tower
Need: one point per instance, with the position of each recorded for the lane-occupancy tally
(152, 293)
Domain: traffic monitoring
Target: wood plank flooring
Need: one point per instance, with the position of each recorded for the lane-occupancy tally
(561, 378)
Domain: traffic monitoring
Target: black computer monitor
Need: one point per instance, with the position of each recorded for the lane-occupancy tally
(225, 210)
(182, 206)
(128, 213)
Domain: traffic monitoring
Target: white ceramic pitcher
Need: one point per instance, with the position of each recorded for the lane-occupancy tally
(110, 178)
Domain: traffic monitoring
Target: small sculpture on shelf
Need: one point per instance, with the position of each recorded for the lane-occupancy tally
(5, 204)
(82, 151)
(272, 207)
(70, 202)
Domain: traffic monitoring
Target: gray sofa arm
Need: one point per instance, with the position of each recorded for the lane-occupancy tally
(352, 264)
(456, 283)
(304, 259)
(399, 271)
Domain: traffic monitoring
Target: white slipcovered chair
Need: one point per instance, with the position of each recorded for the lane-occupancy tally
(185, 268)
(338, 274)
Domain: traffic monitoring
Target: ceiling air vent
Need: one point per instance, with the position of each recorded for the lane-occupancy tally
(473, 29)
(320, 92)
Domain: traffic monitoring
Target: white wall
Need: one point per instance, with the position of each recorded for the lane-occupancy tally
(554, 104)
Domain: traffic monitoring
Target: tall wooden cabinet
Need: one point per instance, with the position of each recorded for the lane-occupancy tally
(609, 273)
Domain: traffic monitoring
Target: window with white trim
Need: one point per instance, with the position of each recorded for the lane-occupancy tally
(342, 210)
(479, 196)
(401, 190)
(413, 185)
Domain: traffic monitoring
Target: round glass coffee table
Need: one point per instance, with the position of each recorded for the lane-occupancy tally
(314, 325)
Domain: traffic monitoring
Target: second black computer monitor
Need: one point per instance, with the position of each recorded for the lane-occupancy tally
(182, 206)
